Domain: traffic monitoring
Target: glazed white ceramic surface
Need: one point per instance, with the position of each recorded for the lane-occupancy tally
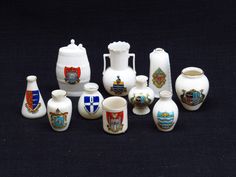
(33, 105)
(119, 78)
(59, 110)
(141, 96)
(192, 87)
(90, 102)
(159, 72)
(165, 112)
(72, 69)
(115, 116)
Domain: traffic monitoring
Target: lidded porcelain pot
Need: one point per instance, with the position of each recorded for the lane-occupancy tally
(33, 104)
(192, 87)
(72, 69)
(159, 73)
(141, 96)
(59, 110)
(90, 102)
(165, 112)
(119, 78)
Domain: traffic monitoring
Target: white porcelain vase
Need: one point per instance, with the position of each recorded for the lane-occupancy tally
(119, 78)
(165, 112)
(192, 87)
(59, 110)
(72, 69)
(141, 96)
(33, 105)
(115, 115)
(159, 72)
(90, 102)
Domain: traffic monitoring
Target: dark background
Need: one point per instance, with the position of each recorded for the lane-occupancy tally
(194, 33)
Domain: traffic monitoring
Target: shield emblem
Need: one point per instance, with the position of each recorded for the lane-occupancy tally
(192, 97)
(115, 121)
(91, 104)
(159, 78)
(118, 86)
(58, 119)
(32, 100)
(72, 75)
(140, 100)
(165, 119)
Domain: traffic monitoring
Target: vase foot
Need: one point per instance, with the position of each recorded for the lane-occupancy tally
(141, 111)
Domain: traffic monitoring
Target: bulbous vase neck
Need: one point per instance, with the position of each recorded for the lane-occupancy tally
(59, 95)
(165, 95)
(141, 81)
(91, 87)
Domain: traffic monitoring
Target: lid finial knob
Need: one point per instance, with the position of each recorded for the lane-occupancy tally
(72, 41)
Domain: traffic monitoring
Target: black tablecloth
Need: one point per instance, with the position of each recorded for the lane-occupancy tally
(197, 33)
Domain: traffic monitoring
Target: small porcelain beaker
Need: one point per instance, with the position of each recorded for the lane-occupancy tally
(115, 116)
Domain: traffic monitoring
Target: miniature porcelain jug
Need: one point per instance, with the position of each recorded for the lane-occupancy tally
(165, 112)
(72, 69)
(141, 96)
(119, 78)
(90, 102)
(59, 110)
(33, 104)
(192, 87)
(159, 73)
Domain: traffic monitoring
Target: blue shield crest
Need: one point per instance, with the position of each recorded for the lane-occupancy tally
(91, 104)
(32, 100)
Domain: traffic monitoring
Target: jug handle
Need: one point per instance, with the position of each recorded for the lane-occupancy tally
(104, 62)
(133, 55)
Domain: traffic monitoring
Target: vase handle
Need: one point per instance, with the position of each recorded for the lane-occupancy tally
(133, 55)
(104, 62)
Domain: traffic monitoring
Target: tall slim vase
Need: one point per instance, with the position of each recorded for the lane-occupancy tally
(159, 73)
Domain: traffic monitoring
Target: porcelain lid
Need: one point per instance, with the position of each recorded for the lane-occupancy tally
(72, 49)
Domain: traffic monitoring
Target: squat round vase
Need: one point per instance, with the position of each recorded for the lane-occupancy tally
(115, 115)
(33, 105)
(192, 87)
(141, 96)
(119, 78)
(165, 112)
(59, 110)
(72, 69)
(90, 102)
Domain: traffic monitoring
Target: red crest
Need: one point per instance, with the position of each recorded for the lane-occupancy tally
(116, 115)
(115, 121)
(72, 75)
(72, 69)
